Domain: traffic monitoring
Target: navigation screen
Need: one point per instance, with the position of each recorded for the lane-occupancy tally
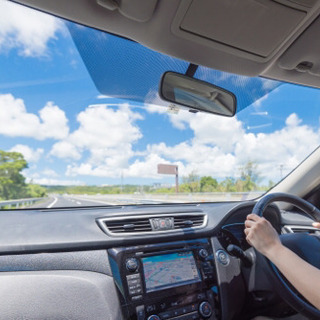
(169, 270)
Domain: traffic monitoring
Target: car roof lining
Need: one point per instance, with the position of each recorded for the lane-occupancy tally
(156, 29)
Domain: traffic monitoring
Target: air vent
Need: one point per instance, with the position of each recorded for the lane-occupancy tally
(145, 224)
(301, 229)
(128, 225)
(188, 221)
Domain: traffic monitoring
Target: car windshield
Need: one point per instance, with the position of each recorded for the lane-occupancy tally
(82, 124)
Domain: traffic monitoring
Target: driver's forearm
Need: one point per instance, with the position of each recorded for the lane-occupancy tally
(303, 276)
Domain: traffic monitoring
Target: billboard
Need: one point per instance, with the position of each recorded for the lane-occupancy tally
(167, 169)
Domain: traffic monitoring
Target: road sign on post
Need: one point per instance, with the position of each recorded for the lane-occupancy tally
(170, 169)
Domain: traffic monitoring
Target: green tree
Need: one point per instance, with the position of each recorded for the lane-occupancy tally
(208, 184)
(191, 183)
(12, 182)
(228, 185)
(249, 177)
(35, 191)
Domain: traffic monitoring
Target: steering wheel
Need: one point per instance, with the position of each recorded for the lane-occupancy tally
(304, 245)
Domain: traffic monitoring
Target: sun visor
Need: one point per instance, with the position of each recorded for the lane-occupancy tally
(255, 28)
(304, 55)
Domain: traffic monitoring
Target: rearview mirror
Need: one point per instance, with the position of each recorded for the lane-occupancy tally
(197, 94)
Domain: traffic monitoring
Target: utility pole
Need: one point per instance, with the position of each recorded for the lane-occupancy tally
(281, 171)
(177, 180)
(121, 188)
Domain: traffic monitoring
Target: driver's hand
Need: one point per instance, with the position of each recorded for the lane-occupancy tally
(316, 224)
(260, 234)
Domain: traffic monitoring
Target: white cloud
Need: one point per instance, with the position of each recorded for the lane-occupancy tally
(258, 103)
(27, 30)
(293, 120)
(108, 134)
(147, 168)
(16, 121)
(30, 155)
(210, 129)
(220, 146)
(102, 96)
(65, 150)
(103, 127)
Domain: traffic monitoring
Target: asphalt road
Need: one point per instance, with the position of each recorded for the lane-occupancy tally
(65, 201)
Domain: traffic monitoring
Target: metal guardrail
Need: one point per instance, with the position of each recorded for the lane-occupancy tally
(172, 197)
(9, 204)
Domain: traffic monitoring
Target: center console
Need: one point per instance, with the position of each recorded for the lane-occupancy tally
(164, 281)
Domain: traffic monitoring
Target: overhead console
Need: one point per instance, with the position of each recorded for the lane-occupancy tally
(163, 281)
(246, 37)
(253, 28)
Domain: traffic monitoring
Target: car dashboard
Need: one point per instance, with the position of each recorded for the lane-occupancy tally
(168, 261)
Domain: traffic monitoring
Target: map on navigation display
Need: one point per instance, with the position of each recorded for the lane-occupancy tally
(168, 270)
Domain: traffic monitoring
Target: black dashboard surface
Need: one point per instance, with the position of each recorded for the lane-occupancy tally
(59, 245)
(49, 230)
(55, 230)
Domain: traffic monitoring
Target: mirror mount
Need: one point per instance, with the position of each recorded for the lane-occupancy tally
(192, 69)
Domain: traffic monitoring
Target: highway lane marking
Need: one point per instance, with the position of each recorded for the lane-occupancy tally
(78, 202)
(97, 201)
(53, 202)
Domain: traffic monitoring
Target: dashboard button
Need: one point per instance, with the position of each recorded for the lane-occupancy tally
(140, 313)
(203, 253)
(201, 296)
(134, 287)
(133, 276)
(163, 305)
(223, 257)
(153, 317)
(174, 303)
(184, 310)
(190, 308)
(132, 264)
(151, 308)
(135, 291)
(177, 312)
(134, 282)
(165, 315)
(205, 309)
(136, 298)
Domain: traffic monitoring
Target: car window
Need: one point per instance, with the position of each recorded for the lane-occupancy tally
(82, 124)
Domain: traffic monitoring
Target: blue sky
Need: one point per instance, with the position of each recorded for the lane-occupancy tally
(71, 133)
